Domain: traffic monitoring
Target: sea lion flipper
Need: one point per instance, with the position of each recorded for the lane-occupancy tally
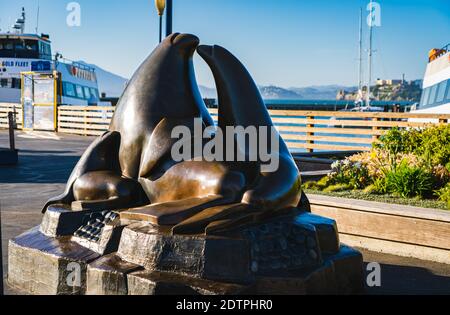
(102, 154)
(161, 143)
(276, 190)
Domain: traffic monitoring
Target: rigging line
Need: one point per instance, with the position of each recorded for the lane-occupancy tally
(37, 19)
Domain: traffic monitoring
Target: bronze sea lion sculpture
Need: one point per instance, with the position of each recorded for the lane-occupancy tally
(167, 202)
(130, 167)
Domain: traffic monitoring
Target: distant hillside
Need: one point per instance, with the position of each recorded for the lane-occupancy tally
(113, 85)
(108, 82)
(327, 92)
(275, 92)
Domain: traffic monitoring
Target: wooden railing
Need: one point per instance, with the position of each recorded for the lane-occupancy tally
(16, 109)
(84, 120)
(302, 130)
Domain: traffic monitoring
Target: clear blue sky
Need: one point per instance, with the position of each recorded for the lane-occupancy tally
(283, 42)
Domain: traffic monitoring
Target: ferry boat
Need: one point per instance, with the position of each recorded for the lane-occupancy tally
(32, 53)
(436, 84)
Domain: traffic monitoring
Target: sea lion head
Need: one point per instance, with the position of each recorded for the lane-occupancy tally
(164, 86)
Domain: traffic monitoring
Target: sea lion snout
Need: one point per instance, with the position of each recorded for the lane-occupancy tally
(184, 41)
(205, 51)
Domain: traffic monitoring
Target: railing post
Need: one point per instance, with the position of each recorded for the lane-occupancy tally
(14, 117)
(56, 118)
(85, 121)
(12, 143)
(309, 134)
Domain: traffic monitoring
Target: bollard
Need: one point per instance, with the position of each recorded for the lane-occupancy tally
(1, 254)
(12, 143)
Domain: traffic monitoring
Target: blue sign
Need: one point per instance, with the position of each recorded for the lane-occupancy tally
(40, 66)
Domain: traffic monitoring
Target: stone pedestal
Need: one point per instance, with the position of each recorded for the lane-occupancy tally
(292, 254)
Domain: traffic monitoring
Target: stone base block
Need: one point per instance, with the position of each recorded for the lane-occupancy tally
(341, 273)
(213, 258)
(161, 283)
(108, 276)
(292, 254)
(38, 264)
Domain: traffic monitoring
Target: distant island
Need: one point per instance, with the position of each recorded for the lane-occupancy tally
(387, 90)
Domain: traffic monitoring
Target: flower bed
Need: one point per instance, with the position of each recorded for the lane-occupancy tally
(404, 165)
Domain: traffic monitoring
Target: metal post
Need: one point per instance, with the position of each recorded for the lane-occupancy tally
(169, 13)
(1, 254)
(360, 80)
(160, 28)
(160, 7)
(370, 54)
(12, 143)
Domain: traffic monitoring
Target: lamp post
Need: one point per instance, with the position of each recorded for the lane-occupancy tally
(169, 17)
(160, 6)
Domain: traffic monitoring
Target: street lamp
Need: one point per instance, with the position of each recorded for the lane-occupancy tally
(169, 17)
(160, 6)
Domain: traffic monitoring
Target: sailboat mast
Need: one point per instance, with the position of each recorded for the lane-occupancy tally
(360, 83)
(370, 54)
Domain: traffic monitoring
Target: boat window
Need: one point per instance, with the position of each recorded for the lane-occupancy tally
(31, 45)
(4, 83)
(87, 93)
(69, 89)
(19, 45)
(433, 94)
(79, 91)
(448, 92)
(94, 92)
(9, 45)
(16, 83)
(425, 97)
(45, 51)
(441, 91)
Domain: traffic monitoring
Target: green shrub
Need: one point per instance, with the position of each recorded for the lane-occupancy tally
(371, 189)
(444, 194)
(354, 174)
(407, 181)
(432, 143)
(434, 146)
(338, 188)
(311, 185)
(323, 182)
(395, 141)
(379, 186)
